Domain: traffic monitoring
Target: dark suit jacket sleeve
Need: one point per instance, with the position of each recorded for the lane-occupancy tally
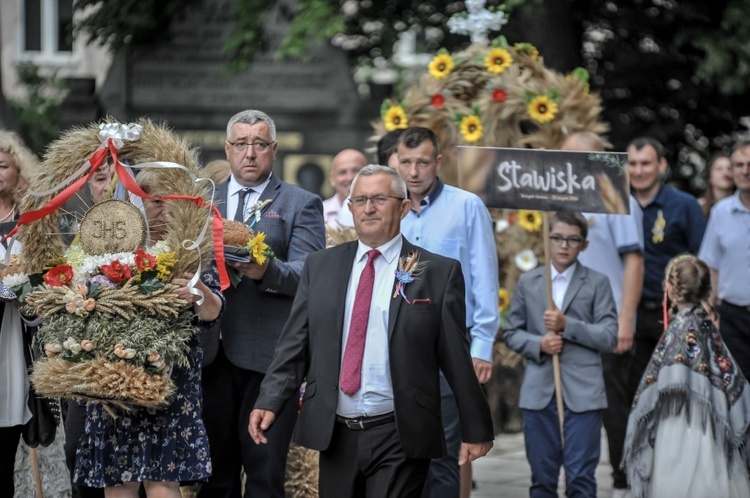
(516, 334)
(456, 363)
(289, 364)
(601, 333)
(308, 235)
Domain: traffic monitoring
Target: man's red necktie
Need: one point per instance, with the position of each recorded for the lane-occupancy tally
(351, 367)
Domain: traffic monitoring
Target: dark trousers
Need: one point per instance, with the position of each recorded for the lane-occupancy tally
(369, 463)
(75, 426)
(229, 394)
(541, 431)
(734, 328)
(444, 476)
(649, 327)
(9, 438)
(619, 399)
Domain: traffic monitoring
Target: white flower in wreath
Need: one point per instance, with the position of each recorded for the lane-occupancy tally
(526, 260)
(15, 280)
(501, 226)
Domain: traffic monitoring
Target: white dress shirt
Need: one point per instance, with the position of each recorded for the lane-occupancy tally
(560, 283)
(375, 396)
(250, 199)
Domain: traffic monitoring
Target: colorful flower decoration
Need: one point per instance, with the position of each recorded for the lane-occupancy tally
(526, 260)
(498, 60)
(144, 261)
(59, 275)
(437, 100)
(542, 109)
(441, 65)
(499, 95)
(471, 128)
(116, 272)
(395, 118)
(531, 221)
(258, 248)
(503, 299)
(527, 49)
(408, 269)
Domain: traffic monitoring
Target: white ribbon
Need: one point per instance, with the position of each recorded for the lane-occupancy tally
(188, 244)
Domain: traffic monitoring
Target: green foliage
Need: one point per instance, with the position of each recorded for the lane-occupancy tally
(314, 22)
(248, 38)
(127, 23)
(37, 112)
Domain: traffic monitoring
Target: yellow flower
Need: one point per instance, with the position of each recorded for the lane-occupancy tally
(395, 118)
(531, 221)
(258, 248)
(441, 66)
(164, 264)
(542, 109)
(471, 128)
(503, 300)
(498, 60)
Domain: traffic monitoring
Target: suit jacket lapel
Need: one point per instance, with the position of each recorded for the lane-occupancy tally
(343, 273)
(221, 198)
(576, 282)
(406, 248)
(271, 190)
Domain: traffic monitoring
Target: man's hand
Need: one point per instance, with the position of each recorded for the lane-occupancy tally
(252, 269)
(471, 451)
(624, 338)
(483, 370)
(552, 343)
(554, 320)
(260, 420)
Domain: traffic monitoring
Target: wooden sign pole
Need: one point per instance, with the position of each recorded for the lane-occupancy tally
(551, 306)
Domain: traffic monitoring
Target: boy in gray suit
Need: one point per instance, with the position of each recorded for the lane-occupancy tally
(581, 327)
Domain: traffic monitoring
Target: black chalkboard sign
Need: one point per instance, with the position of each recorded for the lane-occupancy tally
(546, 180)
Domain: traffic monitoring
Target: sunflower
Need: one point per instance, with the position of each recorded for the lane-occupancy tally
(441, 66)
(259, 250)
(542, 109)
(395, 118)
(531, 221)
(503, 300)
(471, 128)
(498, 60)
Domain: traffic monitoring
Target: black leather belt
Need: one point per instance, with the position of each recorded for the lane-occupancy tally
(363, 423)
(735, 306)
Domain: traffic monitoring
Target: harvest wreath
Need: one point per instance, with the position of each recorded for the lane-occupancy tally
(112, 327)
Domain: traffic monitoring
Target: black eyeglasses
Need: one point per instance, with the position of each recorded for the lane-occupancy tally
(573, 242)
(377, 200)
(259, 147)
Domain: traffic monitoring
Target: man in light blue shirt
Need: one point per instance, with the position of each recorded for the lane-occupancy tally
(726, 250)
(455, 223)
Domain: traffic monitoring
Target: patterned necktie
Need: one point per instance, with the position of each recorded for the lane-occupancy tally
(239, 215)
(351, 367)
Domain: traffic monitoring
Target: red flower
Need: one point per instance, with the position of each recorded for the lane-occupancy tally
(116, 272)
(59, 275)
(144, 261)
(499, 95)
(512, 217)
(437, 100)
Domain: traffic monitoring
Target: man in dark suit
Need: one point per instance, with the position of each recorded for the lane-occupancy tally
(371, 347)
(236, 360)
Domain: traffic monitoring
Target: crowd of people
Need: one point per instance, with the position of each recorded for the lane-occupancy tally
(393, 368)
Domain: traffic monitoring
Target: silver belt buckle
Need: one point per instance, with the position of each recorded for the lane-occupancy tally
(360, 423)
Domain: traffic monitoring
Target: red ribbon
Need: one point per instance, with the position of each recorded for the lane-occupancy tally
(97, 159)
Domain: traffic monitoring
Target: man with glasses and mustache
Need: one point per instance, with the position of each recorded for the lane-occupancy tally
(237, 358)
(454, 223)
(371, 343)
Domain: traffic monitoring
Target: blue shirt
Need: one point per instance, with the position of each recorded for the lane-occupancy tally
(455, 223)
(726, 249)
(673, 223)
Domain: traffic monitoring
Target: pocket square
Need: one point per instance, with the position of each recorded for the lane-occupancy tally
(421, 301)
(272, 214)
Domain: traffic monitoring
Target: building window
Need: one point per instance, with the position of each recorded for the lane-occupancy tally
(47, 28)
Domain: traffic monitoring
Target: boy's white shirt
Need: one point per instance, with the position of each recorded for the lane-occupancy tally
(560, 283)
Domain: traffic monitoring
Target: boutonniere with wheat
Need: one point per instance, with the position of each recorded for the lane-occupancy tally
(409, 267)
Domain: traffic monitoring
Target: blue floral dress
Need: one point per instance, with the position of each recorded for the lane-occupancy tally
(165, 445)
